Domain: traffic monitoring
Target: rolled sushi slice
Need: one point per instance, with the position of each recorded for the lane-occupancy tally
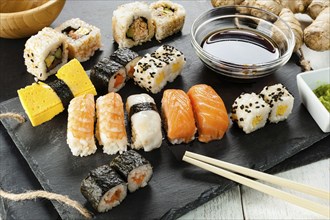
(83, 39)
(151, 73)
(173, 58)
(132, 24)
(280, 101)
(110, 126)
(80, 130)
(250, 112)
(108, 76)
(103, 188)
(178, 116)
(168, 17)
(126, 57)
(134, 168)
(145, 122)
(45, 53)
(209, 111)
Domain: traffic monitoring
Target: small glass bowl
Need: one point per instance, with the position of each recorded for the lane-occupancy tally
(243, 18)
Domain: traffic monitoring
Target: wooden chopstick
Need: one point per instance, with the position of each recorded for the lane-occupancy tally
(262, 176)
(315, 207)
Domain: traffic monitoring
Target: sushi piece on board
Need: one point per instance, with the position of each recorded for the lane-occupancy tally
(126, 57)
(280, 100)
(80, 130)
(178, 116)
(145, 122)
(74, 75)
(134, 168)
(103, 188)
(151, 73)
(44, 100)
(83, 39)
(108, 76)
(173, 58)
(168, 17)
(45, 53)
(110, 126)
(250, 112)
(132, 24)
(210, 112)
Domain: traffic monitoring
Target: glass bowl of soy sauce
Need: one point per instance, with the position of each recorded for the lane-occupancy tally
(242, 42)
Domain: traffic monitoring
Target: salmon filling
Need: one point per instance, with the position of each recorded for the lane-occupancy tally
(76, 33)
(114, 197)
(138, 178)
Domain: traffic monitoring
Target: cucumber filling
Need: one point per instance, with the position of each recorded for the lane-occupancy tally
(54, 58)
(138, 30)
(165, 11)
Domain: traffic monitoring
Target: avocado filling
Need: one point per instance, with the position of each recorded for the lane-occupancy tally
(165, 11)
(138, 30)
(76, 33)
(53, 59)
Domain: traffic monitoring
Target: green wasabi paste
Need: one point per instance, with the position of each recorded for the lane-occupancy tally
(323, 93)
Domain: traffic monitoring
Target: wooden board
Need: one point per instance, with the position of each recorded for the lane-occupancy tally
(176, 187)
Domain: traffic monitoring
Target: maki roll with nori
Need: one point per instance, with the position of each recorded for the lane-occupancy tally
(108, 76)
(103, 188)
(127, 58)
(136, 170)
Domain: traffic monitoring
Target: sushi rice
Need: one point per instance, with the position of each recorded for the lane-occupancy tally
(280, 100)
(145, 122)
(45, 53)
(250, 112)
(83, 39)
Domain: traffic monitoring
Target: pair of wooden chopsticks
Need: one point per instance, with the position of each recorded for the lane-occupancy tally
(218, 167)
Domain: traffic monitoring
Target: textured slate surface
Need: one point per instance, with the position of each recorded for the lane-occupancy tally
(176, 187)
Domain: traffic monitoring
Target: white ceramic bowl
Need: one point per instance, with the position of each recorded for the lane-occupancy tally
(307, 82)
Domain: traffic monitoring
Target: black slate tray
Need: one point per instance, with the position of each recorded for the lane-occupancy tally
(176, 187)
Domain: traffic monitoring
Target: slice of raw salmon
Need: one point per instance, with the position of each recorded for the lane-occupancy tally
(210, 112)
(178, 116)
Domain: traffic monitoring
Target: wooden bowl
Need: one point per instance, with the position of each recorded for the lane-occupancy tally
(23, 18)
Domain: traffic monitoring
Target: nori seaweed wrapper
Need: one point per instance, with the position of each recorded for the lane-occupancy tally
(123, 56)
(144, 106)
(98, 182)
(128, 161)
(62, 90)
(102, 72)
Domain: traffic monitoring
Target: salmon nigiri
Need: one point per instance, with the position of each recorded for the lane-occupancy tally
(179, 117)
(80, 131)
(210, 112)
(110, 126)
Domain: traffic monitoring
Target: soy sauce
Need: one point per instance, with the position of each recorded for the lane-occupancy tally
(241, 47)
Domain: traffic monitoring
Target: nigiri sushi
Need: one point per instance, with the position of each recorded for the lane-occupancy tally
(210, 112)
(80, 131)
(110, 126)
(178, 116)
(145, 122)
(250, 112)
